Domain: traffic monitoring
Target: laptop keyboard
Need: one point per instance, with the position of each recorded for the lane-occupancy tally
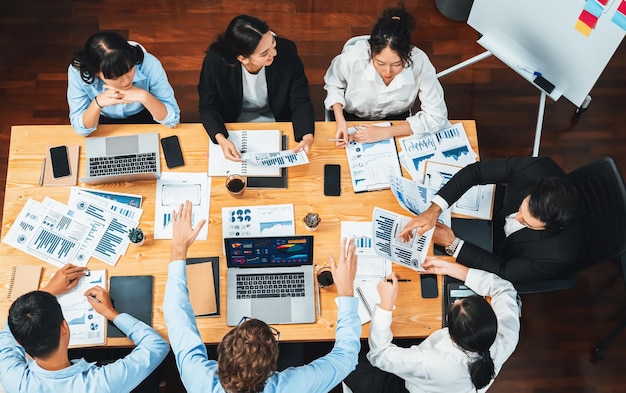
(251, 286)
(119, 165)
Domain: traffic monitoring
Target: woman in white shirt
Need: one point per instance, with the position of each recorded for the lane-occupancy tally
(464, 357)
(380, 78)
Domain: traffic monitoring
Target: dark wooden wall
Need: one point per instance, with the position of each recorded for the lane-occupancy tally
(38, 38)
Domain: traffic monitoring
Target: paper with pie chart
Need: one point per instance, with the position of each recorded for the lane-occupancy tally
(87, 327)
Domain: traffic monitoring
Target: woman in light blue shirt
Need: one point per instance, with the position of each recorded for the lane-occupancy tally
(112, 80)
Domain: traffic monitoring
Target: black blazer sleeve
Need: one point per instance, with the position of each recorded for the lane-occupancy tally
(518, 173)
(528, 255)
(221, 94)
(288, 90)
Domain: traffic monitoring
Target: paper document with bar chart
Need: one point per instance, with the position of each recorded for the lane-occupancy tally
(386, 227)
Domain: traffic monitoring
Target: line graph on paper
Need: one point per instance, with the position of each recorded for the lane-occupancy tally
(370, 164)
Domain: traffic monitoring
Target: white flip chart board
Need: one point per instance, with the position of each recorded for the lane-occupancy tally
(569, 42)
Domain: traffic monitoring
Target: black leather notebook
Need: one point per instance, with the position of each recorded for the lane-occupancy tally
(271, 182)
(131, 295)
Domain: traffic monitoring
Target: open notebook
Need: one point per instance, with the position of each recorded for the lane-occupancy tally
(258, 141)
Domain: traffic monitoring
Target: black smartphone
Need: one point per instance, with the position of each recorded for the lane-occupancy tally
(332, 180)
(60, 161)
(428, 283)
(171, 150)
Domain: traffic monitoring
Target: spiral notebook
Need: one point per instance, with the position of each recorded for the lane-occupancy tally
(24, 279)
(256, 141)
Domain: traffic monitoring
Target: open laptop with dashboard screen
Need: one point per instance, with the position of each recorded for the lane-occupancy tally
(125, 158)
(271, 279)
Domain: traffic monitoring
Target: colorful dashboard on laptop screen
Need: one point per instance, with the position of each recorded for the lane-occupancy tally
(269, 251)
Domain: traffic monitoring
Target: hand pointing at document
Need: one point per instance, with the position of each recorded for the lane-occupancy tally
(422, 222)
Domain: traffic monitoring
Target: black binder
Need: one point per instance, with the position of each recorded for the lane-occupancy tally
(270, 181)
(132, 295)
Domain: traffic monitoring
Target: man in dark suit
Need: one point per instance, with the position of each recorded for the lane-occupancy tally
(540, 212)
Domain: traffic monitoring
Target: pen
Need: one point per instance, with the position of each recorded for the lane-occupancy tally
(399, 280)
(334, 140)
(319, 300)
(95, 299)
(43, 168)
(535, 73)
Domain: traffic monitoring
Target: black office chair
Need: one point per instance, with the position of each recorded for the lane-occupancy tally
(602, 195)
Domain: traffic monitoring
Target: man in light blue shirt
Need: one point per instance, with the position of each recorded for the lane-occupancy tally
(247, 355)
(113, 80)
(36, 321)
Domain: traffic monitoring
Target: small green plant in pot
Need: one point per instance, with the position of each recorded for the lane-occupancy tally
(135, 235)
(312, 220)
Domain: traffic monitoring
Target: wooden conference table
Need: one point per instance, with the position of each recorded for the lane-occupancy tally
(413, 317)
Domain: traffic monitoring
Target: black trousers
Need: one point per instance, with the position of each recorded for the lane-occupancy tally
(369, 379)
(143, 117)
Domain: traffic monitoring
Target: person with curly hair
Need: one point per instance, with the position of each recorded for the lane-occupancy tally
(380, 78)
(248, 354)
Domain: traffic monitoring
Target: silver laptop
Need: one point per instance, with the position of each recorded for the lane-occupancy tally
(114, 159)
(271, 279)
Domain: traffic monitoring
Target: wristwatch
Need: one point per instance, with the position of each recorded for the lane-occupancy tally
(452, 247)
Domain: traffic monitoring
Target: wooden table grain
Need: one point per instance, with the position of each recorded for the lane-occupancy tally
(413, 317)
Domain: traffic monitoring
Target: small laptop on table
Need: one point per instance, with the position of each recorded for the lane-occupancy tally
(114, 159)
(271, 279)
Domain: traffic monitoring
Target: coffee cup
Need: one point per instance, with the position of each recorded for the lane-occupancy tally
(325, 277)
(236, 185)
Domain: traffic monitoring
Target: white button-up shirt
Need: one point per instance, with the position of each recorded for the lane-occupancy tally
(437, 364)
(352, 81)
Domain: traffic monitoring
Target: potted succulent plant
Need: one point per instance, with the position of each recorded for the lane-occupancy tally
(312, 220)
(135, 235)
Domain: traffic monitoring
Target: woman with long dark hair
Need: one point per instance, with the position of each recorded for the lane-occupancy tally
(251, 75)
(464, 357)
(112, 80)
(380, 78)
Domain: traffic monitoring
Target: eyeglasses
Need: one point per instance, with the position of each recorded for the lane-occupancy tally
(275, 331)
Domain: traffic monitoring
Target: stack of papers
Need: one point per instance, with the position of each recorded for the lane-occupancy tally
(89, 225)
(432, 160)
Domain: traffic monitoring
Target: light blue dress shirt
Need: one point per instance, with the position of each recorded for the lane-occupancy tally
(199, 374)
(149, 76)
(18, 374)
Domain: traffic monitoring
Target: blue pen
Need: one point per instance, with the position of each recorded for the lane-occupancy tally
(535, 73)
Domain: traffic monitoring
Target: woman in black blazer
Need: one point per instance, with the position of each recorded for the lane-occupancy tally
(249, 74)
